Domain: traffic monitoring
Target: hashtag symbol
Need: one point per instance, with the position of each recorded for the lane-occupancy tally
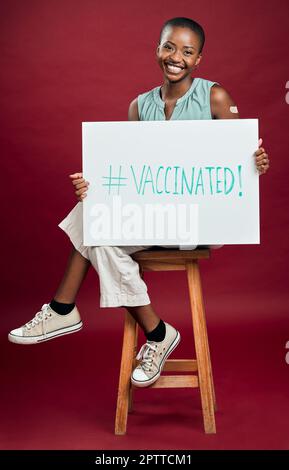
(114, 181)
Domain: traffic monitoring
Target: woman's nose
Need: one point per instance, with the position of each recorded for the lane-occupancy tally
(176, 55)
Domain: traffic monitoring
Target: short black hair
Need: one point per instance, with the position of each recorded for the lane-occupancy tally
(185, 23)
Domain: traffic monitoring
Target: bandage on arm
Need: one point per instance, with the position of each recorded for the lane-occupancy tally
(234, 109)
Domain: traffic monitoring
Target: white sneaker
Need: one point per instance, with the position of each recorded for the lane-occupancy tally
(153, 356)
(47, 324)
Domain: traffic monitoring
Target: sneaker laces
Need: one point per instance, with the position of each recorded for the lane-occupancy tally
(40, 316)
(146, 355)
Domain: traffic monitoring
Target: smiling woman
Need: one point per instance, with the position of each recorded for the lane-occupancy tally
(179, 52)
(182, 97)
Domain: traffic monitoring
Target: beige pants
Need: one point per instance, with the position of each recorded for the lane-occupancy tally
(119, 277)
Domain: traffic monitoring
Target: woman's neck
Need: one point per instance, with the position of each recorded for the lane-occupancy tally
(171, 91)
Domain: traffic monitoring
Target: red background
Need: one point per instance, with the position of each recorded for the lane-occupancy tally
(64, 62)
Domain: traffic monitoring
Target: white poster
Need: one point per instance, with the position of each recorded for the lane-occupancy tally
(190, 182)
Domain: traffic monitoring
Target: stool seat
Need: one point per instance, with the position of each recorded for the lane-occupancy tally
(156, 259)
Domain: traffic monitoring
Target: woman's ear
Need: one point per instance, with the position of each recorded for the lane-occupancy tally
(198, 60)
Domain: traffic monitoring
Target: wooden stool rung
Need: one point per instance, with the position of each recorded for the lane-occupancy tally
(176, 381)
(171, 255)
(188, 365)
(161, 266)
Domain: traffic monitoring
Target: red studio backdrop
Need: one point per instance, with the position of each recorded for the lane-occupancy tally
(64, 62)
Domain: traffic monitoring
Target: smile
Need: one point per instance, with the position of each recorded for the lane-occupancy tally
(173, 68)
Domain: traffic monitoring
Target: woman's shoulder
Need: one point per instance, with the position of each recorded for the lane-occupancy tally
(218, 93)
(148, 103)
(140, 104)
(148, 94)
(217, 88)
(213, 88)
(205, 82)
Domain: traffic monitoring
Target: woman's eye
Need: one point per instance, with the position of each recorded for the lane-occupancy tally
(166, 46)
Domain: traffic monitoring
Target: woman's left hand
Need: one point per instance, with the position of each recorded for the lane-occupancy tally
(261, 158)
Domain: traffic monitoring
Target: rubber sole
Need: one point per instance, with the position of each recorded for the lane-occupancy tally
(156, 377)
(42, 338)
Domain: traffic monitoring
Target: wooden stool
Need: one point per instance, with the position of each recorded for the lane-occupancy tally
(166, 260)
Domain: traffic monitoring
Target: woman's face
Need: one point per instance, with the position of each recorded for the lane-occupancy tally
(178, 53)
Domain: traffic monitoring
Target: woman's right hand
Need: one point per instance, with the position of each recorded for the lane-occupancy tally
(80, 185)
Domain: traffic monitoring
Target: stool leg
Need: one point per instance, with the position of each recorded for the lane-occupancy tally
(210, 365)
(207, 342)
(201, 346)
(131, 390)
(124, 386)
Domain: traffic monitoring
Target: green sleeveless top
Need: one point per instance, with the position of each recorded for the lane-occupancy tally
(194, 104)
